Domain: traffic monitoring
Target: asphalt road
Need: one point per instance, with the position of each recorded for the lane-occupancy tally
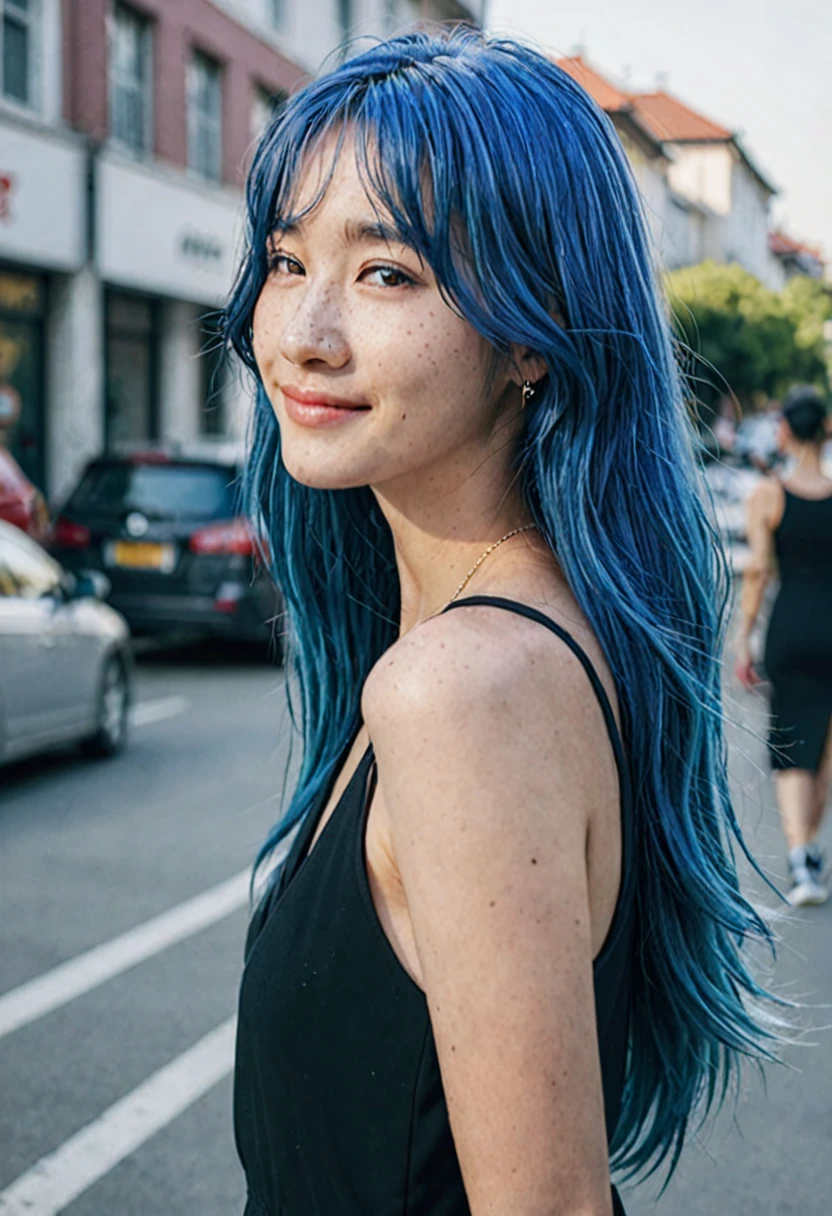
(91, 850)
(115, 1089)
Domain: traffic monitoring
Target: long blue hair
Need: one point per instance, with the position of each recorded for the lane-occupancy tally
(501, 172)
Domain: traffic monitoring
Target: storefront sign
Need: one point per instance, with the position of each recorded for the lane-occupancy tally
(160, 232)
(42, 198)
(202, 249)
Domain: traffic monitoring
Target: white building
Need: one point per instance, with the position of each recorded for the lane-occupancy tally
(792, 257)
(647, 158)
(709, 168)
(704, 197)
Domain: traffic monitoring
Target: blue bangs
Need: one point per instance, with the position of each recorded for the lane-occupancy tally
(511, 184)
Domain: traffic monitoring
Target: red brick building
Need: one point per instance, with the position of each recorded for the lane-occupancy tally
(174, 31)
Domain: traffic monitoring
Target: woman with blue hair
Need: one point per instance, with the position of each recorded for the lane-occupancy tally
(504, 951)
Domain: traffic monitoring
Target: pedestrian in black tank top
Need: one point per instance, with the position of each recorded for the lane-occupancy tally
(486, 973)
(790, 521)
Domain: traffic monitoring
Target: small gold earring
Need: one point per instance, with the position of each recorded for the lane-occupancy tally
(528, 393)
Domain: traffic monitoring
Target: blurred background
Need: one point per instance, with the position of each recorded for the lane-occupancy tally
(136, 624)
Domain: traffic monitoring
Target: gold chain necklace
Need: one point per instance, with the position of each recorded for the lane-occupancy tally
(483, 556)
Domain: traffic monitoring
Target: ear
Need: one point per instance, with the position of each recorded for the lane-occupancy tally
(526, 364)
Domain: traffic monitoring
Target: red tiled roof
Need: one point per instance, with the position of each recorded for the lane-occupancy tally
(779, 242)
(601, 90)
(670, 120)
(661, 117)
(665, 117)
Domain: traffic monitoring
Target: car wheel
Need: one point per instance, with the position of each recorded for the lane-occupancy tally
(113, 706)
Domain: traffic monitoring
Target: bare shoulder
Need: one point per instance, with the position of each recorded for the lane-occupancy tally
(492, 692)
(765, 503)
(482, 653)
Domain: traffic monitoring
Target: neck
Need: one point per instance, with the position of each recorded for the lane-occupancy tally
(808, 457)
(437, 545)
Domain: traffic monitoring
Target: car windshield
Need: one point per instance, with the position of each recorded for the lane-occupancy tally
(159, 491)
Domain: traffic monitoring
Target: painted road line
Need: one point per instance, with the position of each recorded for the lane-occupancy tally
(157, 710)
(59, 1178)
(78, 975)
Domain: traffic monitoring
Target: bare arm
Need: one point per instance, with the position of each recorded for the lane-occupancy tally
(765, 509)
(490, 764)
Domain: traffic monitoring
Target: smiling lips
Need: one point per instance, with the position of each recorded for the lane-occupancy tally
(309, 408)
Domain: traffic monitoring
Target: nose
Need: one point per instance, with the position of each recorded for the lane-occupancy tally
(315, 332)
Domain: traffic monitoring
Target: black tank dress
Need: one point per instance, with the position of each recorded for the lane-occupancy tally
(338, 1102)
(798, 650)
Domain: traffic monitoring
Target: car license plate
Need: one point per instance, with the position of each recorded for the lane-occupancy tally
(143, 555)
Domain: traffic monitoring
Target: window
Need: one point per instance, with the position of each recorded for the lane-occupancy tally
(265, 106)
(22, 306)
(131, 362)
(17, 34)
(26, 572)
(159, 491)
(130, 80)
(204, 117)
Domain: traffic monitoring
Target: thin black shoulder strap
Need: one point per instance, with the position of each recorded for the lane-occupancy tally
(533, 614)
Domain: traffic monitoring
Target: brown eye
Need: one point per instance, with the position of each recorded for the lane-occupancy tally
(389, 276)
(281, 263)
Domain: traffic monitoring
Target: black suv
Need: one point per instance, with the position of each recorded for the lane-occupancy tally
(162, 523)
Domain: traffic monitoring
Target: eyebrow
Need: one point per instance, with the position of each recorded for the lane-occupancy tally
(357, 232)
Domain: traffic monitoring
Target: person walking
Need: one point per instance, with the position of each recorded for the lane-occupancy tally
(790, 521)
(503, 955)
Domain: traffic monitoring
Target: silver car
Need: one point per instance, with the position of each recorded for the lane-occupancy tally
(66, 671)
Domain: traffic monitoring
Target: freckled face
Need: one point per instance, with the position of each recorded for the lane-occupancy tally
(372, 377)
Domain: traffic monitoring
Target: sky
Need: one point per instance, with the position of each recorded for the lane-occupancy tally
(762, 69)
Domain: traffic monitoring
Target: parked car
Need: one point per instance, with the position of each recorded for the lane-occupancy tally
(66, 670)
(21, 503)
(162, 523)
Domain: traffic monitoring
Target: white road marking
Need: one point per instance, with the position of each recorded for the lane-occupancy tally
(59, 1178)
(157, 710)
(78, 975)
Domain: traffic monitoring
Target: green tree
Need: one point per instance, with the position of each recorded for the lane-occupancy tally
(744, 338)
(809, 304)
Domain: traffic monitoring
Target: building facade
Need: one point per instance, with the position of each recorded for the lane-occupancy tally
(125, 133)
(709, 169)
(704, 196)
(42, 220)
(645, 153)
(793, 257)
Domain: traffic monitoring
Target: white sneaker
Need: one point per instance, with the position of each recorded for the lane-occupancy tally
(816, 861)
(805, 867)
(806, 890)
